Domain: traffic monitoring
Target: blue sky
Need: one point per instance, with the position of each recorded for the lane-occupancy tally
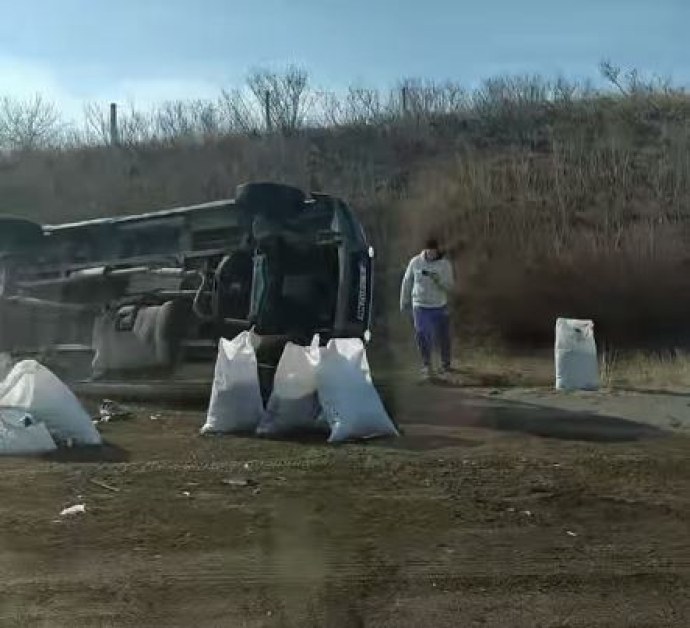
(149, 50)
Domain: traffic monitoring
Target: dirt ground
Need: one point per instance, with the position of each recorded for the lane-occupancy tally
(495, 508)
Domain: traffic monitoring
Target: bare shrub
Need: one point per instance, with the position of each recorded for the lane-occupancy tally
(28, 124)
(134, 126)
(582, 231)
(284, 95)
(554, 198)
(237, 114)
(423, 98)
(360, 105)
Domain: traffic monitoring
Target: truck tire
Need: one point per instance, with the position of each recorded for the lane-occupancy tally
(274, 200)
(6, 279)
(171, 322)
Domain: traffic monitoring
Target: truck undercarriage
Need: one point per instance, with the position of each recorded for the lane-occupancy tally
(142, 300)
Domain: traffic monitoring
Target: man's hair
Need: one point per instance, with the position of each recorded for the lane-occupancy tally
(432, 243)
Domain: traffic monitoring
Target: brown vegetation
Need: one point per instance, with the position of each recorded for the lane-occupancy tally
(555, 198)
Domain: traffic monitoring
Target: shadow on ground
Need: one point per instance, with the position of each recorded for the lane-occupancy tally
(452, 408)
(564, 424)
(108, 453)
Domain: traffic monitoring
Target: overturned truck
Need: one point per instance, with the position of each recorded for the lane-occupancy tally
(138, 303)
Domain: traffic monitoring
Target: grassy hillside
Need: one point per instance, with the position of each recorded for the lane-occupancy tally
(552, 200)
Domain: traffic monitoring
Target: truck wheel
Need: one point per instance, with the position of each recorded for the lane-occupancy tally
(171, 323)
(6, 279)
(274, 200)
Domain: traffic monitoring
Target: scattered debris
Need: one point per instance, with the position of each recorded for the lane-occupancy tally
(77, 509)
(112, 411)
(105, 486)
(527, 513)
(155, 417)
(186, 493)
(571, 533)
(511, 509)
(238, 482)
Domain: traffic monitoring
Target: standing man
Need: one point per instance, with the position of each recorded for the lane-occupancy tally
(428, 281)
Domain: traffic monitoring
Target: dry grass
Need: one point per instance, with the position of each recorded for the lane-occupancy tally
(568, 204)
(591, 229)
(638, 371)
(497, 366)
(644, 372)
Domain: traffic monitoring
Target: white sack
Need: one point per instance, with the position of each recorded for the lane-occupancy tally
(116, 350)
(36, 389)
(350, 403)
(22, 434)
(576, 355)
(294, 404)
(236, 404)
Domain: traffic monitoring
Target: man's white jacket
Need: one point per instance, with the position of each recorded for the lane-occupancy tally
(426, 283)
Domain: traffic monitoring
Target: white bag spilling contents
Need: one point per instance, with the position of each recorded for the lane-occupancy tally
(294, 403)
(576, 355)
(350, 403)
(21, 434)
(236, 404)
(37, 390)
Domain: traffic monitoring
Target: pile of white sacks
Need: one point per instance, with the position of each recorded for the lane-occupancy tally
(38, 412)
(316, 389)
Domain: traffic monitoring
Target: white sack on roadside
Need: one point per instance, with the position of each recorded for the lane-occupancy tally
(351, 405)
(576, 355)
(34, 388)
(293, 406)
(22, 434)
(236, 404)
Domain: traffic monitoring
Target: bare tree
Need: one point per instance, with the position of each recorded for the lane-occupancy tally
(206, 118)
(359, 106)
(633, 83)
(134, 125)
(425, 98)
(96, 124)
(174, 120)
(285, 96)
(71, 137)
(612, 73)
(364, 106)
(28, 124)
(512, 94)
(565, 91)
(329, 109)
(236, 114)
